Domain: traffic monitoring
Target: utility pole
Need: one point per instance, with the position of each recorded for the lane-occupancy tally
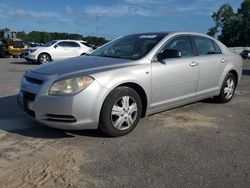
(96, 19)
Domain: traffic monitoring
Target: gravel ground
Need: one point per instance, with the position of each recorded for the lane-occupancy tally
(199, 145)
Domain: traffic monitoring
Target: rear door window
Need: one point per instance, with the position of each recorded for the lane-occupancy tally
(73, 44)
(63, 44)
(67, 44)
(206, 46)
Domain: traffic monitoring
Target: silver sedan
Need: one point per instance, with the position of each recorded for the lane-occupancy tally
(129, 78)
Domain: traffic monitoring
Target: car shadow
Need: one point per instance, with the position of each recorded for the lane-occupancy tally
(22, 62)
(14, 120)
(246, 72)
(209, 100)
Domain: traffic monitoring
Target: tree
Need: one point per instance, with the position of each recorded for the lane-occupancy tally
(22, 35)
(232, 28)
(221, 17)
(244, 28)
(44, 37)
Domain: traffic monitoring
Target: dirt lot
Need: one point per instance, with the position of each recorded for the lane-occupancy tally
(198, 145)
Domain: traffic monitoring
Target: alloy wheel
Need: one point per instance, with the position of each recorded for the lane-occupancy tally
(124, 113)
(229, 88)
(44, 58)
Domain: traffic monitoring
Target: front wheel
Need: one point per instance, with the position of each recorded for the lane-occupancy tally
(44, 58)
(121, 112)
(227, 89)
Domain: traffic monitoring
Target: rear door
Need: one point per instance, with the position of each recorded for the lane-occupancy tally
(174, 80)
(74, 49)
(211, 63)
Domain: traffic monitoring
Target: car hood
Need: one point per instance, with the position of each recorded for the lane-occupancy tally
(37, 47)
(81, 64)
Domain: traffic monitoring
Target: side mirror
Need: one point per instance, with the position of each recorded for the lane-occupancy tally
(55, 46)
(168, 53)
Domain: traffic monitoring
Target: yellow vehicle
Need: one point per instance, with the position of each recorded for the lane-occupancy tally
(10, 44)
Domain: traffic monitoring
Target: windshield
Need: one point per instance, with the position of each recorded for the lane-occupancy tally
(129, 47)
(50, 43)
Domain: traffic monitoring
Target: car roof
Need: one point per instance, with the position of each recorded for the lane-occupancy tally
(70, 40)
(172, 32)
(154, 33)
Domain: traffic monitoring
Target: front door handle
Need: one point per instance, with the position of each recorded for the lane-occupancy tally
(193, 64)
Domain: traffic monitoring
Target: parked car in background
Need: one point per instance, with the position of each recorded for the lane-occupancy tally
(34, 44)
(245, 54)
(129, 78)
(56, 50)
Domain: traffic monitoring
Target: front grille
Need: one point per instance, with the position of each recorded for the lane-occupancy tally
(29, 96)
(60, 118)
(18, 44)
(34, 80)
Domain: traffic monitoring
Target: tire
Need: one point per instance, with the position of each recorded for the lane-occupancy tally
(4, 54)
(120, 112)
(2, 51)
(44, 58)
(227, 89)
(16, 56)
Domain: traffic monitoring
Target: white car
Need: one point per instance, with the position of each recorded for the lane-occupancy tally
(56, 50)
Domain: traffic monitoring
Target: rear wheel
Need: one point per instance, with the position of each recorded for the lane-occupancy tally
(44, 58)
(121, 112)
(227, 89)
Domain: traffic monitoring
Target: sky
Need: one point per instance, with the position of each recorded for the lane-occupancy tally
(109, 18)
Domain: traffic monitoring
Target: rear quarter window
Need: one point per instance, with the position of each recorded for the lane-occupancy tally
(217, 48)
(85, 44)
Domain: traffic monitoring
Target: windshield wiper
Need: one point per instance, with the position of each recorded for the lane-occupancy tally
(110, 56)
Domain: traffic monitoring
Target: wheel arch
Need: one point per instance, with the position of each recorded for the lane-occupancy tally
(230, 68)
(140, 91)
(234, 72)
(44, 53)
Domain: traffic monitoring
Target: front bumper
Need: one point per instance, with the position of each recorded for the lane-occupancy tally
(30, 56)
(75, 112)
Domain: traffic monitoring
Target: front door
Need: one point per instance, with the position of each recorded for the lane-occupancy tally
(175, 80)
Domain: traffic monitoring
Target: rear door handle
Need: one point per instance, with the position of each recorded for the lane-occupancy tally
(193, 64)
(223, 60)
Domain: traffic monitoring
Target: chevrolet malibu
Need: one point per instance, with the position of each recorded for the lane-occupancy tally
(129, 78)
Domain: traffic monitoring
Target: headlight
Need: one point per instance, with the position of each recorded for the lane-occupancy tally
(70, 86)
(33, 50)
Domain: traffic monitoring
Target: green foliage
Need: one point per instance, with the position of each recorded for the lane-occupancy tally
(232, 28)
(44, 37)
